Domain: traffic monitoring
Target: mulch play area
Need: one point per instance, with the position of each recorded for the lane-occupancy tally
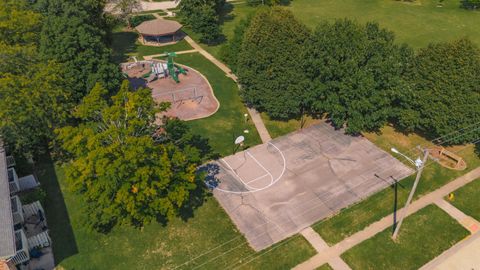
(191, 98)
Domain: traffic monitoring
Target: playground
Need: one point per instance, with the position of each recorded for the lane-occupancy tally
(276, 189)
(189, 93)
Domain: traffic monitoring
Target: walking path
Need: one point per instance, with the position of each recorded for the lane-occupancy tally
(150, 57)
(468, 222)
(320, 245)
(463, 255)
(254, 115)
(146, 6)
(384, 223)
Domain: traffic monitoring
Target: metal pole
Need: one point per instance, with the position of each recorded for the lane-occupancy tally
(407, 204)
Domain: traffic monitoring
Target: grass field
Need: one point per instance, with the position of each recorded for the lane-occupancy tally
(325, 267)
(424, 235)
(467, 199)
(357, 217)
(278, 128)
(154, 246)
(228, 122)
(415, 23)
(233, 15)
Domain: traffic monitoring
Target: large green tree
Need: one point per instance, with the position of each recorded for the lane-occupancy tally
(74, 34)
(269, 63)
(125, 8)
(445, 93)
(470, 4)
(33, 98)
(229, 53)
(127, 168)
(356, 73)
(203, 16)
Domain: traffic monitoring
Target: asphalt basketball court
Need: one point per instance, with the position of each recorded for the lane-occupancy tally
(274, 190)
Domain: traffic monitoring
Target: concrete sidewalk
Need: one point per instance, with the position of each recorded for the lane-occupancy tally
(464, 255)
(254, 115)
(386, 222)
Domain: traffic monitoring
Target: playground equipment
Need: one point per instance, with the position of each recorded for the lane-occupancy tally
(161, 70)
(173, 69)
(179, 96)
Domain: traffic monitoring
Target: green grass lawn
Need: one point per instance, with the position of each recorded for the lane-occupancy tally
(325, 267)
(228, 122)
(417, 23)
(233, 14)
(355, 218)
(154, 246)
(277, 128)
(125, 45)
(467, 199)
(423, 236)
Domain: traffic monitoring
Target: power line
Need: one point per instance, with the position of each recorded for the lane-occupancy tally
(266, 222)
(288, 240)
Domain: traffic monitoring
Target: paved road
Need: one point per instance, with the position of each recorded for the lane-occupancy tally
(386, 222)
(146, 6)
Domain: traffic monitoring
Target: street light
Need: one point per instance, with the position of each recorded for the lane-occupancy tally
(420, 164)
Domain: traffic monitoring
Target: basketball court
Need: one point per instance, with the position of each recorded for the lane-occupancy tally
(274, 190)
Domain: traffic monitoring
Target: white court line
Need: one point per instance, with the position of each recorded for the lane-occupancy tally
(256, 189)
(238, 176)
(258, 178)
(259, 164)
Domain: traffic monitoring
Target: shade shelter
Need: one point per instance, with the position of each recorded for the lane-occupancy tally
(159, 31)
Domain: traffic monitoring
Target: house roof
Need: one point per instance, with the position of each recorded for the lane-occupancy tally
(158, 27)
(7, 237)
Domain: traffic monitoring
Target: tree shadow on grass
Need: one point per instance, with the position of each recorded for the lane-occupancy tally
(124, 43)
(226, 13)
(60, 228)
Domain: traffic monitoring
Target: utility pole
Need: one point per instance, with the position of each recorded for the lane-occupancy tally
(420, 164)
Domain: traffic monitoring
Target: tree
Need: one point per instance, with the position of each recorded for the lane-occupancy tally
(19, 24)
(269, 63)
(356, 73)
(206, 24)
(229, 53)
(203, 17)
(188, 8)
(445, 94)
(73, 34)
(470, 4)
(125, 8)
(127, 168)
(33, 100)
(268, 2)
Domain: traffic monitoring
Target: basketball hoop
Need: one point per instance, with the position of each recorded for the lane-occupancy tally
(239, 140)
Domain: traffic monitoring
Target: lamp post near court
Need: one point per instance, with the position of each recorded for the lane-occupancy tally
(419, 164)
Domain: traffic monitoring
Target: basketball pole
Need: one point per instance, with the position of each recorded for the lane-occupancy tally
(410, 197)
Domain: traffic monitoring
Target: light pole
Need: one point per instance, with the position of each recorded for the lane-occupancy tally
(420, 164)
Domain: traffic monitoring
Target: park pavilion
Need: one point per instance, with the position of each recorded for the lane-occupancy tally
(159, 31)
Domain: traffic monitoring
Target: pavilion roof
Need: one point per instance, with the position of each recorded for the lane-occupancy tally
(158, 27)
